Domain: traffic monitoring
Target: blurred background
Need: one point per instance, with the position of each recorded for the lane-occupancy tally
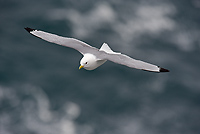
(43, 92)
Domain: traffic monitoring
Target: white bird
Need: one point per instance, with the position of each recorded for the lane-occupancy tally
(93, 57)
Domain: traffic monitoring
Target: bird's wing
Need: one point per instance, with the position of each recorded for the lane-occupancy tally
(64, 41)
(84, 48)
(130, 62)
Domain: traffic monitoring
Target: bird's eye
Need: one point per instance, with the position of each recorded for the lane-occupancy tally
(85, 62)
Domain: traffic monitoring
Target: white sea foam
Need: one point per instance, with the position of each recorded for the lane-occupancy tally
(84, 24)
(146, 19)
(185, 39)
(35, 114)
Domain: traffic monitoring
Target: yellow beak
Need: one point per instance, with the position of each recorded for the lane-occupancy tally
(81, 66)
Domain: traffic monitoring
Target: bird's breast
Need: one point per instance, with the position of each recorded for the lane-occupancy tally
(95, 64)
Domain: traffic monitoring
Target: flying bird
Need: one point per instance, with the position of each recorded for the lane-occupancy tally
(94, 57)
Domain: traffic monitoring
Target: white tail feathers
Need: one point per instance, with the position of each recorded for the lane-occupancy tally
(107, 49)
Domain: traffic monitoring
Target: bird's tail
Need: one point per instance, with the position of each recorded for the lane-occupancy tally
(107, 49)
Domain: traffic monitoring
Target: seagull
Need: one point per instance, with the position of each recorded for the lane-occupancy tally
(94, 57)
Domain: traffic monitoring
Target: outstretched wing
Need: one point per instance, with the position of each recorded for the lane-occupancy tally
(84, 48)
(130, 62)
(64, 41)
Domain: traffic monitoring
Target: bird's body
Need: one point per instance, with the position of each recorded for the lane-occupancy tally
(93, 57)
(90, 62)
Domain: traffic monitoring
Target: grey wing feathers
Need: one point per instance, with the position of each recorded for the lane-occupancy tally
(64, 41)
(130, 62)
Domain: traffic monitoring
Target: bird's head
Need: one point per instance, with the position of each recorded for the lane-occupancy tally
(88, 62)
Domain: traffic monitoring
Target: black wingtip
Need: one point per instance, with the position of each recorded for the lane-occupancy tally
(29, 29)
(163, 70)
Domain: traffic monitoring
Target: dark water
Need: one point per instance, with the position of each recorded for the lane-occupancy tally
(43, 92)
